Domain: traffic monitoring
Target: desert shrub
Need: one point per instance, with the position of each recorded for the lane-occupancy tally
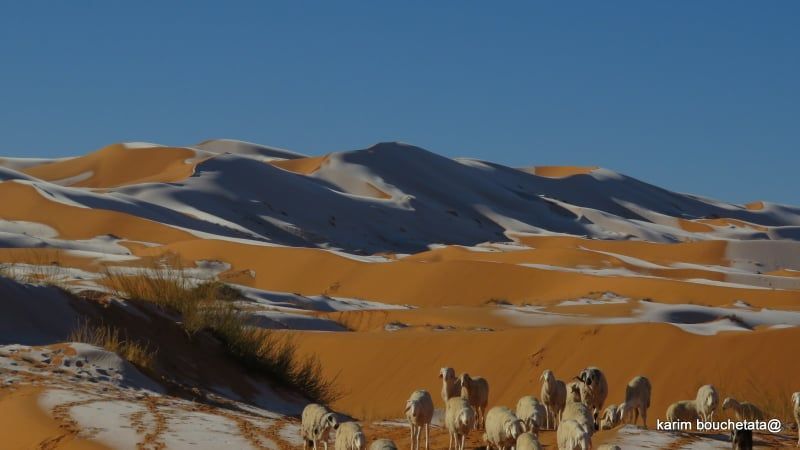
(209, 307)
(109, 338)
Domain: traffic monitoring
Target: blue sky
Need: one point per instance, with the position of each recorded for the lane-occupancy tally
(696, 96)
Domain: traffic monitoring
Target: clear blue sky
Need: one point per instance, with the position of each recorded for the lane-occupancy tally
(696, 96)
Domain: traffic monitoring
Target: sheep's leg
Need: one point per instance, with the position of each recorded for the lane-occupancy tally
(644, 417)
(427, 434)
(416, 438)
(325, 444)
(462, 440)
(411, 440)
(450, 444)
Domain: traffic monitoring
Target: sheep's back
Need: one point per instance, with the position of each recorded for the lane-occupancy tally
(383, 444)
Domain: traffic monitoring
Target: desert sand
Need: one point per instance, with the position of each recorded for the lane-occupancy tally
(386, 263)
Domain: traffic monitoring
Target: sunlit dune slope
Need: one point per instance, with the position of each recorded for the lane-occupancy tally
(119, 165)
(513, 360)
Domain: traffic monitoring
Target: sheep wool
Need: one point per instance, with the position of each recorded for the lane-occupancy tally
(382, 444)
(316, 423)
(502, 428)
(459, 420)
(532, 413)
(419, 412)
(349, 436)
(707, 401)
(527, 441)
(572, 435)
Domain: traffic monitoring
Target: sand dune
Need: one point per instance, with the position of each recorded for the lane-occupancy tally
(388, 263)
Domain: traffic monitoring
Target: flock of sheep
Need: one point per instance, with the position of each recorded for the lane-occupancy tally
(574, 410)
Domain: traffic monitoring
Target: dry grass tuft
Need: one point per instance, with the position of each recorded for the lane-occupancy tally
(109, 338)
(209, 307)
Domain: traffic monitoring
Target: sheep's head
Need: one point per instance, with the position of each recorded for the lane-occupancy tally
(548, 377)
(447, 374)
(514, 428)
(574, 392)
(465, 381)
(728, 403)
(796, 399)
(590, 376)
(330, 421)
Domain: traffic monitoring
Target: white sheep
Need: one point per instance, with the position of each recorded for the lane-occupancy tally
(349, 436)
(573, 391)
(743, 410)
(637, 400)
(706, 402)
(796, 411)
(572, 435)
(683, 411)
(594, 390)
(610, 418)
(419, 412)
(450, 386)
(382, 444)
(577, 411)
(532, 414)
(502, 428)
(554, 396)
(316, 424)
(476, 390)
(527, 441)
(459, 420)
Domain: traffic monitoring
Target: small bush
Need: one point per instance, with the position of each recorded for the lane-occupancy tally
(109, 338)
(209, 306)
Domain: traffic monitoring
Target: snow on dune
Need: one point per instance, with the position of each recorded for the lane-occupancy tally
(695, 319)
(248, 149)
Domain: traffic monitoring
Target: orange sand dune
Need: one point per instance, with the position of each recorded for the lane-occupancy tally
(561, 257)
(560, 171)
(466, 283)
(23, 202)
(381, 369)
(701, 252)
(694, 226)
(304, 166)
(117, 165)
(25, 426)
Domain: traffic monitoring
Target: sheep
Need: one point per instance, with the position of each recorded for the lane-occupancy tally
(683, 411)
(532, 414)
(610, 418)
(571, 435)
(382, 444)
(349, 436)
(573, 391)
(637, 400)
(594, 390)
(502, 428)
(743, 410)
(459, 419)
(554, 396)
(706, 402)
(476, 390)
(450, 386)
(419, 412)
(316, 424)
(796, 411)
(527, 441)
(577, 411)
(742, 439)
